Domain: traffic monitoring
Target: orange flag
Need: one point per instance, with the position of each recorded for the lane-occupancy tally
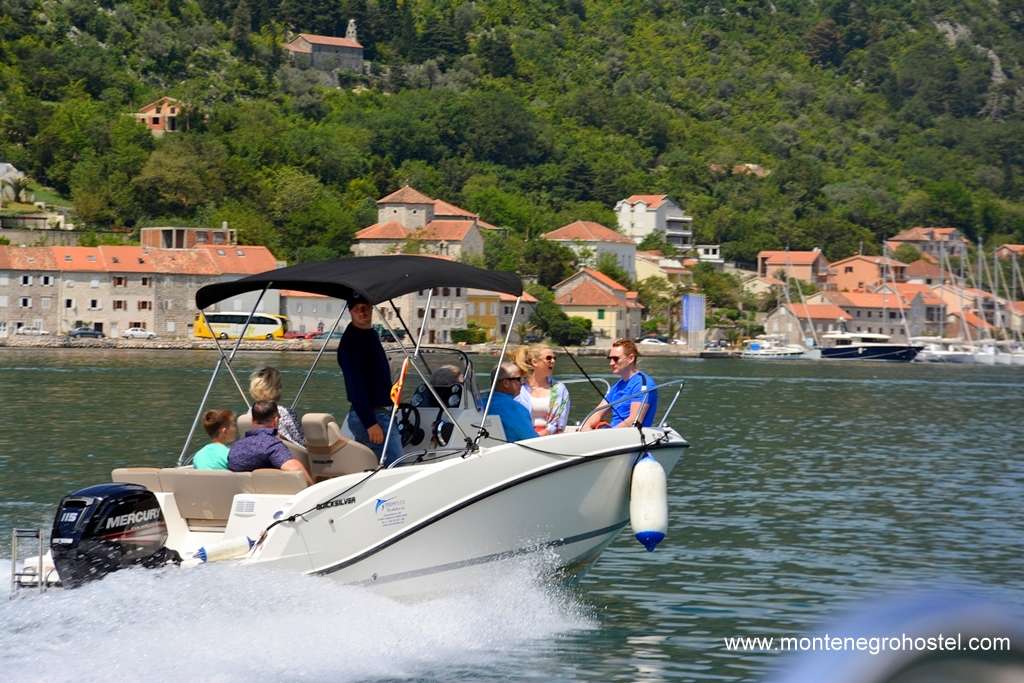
(396, 388)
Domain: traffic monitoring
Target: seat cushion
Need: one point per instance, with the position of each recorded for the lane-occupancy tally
(144, 476)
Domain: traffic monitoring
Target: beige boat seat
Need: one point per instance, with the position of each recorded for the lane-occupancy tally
(204, 497)
(146, 476)
(244, 424)
(330, 453)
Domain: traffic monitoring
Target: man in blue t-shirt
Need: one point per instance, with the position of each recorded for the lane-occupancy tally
(633, 398)
(515, 419)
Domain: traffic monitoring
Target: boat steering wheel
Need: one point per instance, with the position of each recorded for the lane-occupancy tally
(409, 424)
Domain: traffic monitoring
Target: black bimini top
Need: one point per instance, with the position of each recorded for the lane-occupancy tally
(376, 278)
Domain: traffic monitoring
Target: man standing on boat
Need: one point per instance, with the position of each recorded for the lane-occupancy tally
(367, 381)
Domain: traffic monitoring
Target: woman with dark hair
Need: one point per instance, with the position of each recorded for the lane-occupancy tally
(630, 400)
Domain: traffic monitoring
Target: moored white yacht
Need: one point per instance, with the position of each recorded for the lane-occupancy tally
(460, 500)
(772, 347)
(943, 350)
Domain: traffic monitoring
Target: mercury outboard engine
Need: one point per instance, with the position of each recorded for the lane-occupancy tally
(107, 527)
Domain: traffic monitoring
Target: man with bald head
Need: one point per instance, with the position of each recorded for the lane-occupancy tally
(515, 419)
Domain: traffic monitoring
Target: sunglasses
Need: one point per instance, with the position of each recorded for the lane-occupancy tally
(549, 357)
(614, 359)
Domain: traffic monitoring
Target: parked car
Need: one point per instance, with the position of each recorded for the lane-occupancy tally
(80, 332)
(385, 334)
(334, 335)
(294, 334)
(138, 333)
(653, 341)
(35, 331)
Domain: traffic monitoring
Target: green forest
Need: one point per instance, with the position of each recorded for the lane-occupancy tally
(871, 116)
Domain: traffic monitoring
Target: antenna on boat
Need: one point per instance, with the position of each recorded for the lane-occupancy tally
(494, 380)
(223, 360)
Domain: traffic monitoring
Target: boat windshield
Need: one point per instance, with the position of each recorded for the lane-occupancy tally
(450, 372)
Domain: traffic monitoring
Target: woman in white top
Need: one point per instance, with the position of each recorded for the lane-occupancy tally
(547, 401)
(265, 385)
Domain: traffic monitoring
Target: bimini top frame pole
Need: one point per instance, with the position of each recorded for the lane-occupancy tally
(184, 458)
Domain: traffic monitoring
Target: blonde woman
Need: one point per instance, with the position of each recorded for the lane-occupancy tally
(265, 385)
(547, 400)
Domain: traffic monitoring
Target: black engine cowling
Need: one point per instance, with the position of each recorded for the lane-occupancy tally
(107, 527)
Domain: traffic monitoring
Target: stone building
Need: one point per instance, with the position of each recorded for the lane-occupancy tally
(931, 241)
(328, 52)
(809, 266)
(590, 240)
(161, 116)
(112, 288)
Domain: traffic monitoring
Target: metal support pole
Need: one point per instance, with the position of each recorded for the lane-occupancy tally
(182, 459)
(497, 371)
(344, 307)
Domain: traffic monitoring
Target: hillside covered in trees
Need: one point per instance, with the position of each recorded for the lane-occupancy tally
(871, 116)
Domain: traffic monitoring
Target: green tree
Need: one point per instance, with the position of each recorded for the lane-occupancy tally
(906, 253)
(609, 265)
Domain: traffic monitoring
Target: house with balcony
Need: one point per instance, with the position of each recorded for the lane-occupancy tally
(931, 241)
(590, 240)
(162, 116)
(639, 215)
(863, 273)
(809, 266)
(613, 311)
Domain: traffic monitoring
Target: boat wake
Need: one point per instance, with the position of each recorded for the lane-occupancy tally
(217, 623)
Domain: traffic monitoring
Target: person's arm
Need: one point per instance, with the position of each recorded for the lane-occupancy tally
(637, 411)
(294, 465)
(599, 414)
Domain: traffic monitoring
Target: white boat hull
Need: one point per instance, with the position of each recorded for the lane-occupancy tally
(425, 528)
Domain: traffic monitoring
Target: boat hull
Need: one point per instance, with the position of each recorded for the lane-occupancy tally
(893, 353)
(428, 528)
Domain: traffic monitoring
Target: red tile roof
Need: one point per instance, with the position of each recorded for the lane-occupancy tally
(527, 298)
(603, 279)
(443, 209)
(1016, 306)
(651, 200)
(922, 268)
(587, 231)
(817, 311)
(449, 231)
(877, 260)
(974, 320)
(923, 234)
(406, 195)
(391, 230)
(202, 260)
(1013, 248)
(867, 300)
(330, 40)
(792, 258)
(909, 290)
(589, 294)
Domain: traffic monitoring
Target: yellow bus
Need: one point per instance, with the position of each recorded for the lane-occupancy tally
(229, 324)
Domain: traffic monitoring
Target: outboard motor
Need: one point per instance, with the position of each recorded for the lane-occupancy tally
(107, 527)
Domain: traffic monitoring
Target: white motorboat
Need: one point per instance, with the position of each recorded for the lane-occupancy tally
(460, 500)
(771, 347)
(943, 350)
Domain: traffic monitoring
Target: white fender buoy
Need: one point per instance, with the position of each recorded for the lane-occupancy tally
(648, 502)
(225, 550)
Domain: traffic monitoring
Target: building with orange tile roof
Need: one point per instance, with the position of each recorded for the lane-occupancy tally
(655, 264)
(328, 52)
(931, 241)
(590, 241)
(861, 272)
(640, 215)
(112, 288)
(798, 323)
(606, 303)
(809, 266)
(161, 116)
(409, 221)
(926, 272)
(1009, 251)
(492, 312)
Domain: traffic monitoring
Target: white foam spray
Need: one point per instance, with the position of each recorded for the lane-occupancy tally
(227, 623)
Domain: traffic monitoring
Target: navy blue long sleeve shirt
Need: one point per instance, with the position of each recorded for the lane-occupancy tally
(367, 373)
